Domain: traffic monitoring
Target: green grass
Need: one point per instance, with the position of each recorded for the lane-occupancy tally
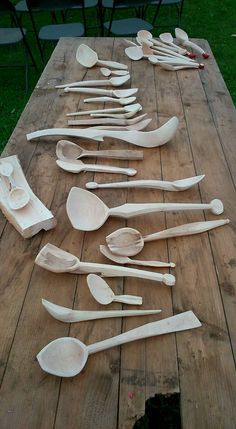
(214, 20)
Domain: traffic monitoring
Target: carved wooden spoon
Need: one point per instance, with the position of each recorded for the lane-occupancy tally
(87, 212)
(107, 72)
(113, 81)
(182, 37)
(131, 108)
(88, 58)
(125, 260)
(67, 356)
(107, 121)
(129, 241)
(17, 197)
(76, 166)
(105, 295)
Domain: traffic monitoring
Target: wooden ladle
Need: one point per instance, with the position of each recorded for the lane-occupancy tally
(88, 58)
(105, 295)
(129, 241)
(125, 260)
(17, 197)
(176, 185)
(66, 149)
(113, 81)
(87, 212)
(67, 356)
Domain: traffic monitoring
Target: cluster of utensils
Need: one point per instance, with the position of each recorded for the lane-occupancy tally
(164, 52)
(16, 196)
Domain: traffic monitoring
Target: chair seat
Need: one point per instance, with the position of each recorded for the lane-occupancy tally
(128, 26)
(10, 36)
(54, 32)
(166, 2)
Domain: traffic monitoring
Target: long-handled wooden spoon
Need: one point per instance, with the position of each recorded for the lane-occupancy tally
(163, 42)
(122, 101)
(125, 260)
(132, 108)
(88, 58)
(176, 185)
(113, 81)
(87, 212)
(105, 295)
(107, 72)
(107, 121)
(66, 149)
(58, 261)
(141, 125)
(17, 197)
(118, 93)
(76, 166)
(182, 37)
(129, 241)
(67, 356)
(179, 67)
(168, 40)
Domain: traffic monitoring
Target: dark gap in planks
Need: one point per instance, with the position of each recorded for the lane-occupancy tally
(161, 412)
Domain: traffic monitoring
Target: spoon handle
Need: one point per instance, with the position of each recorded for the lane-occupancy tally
(194, 47)
(128, 299)
(72, 167)
(97, 91)
(156, 264)
(115, 154)
(102, 100)
(180, 322)
(101, 121)
(84, 83)
(186, 229)
(154, 184)
(129, 210)
(112, 64)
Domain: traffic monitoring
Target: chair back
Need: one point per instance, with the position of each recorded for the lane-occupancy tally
(53, 4)
(6, 6)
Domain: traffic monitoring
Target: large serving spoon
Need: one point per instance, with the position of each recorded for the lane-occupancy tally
(105, 295)
(17, 196)
(88, 58)
(132, 108)
(176, 185)
(107, 121)
(155, 138)
(122, 101)
(125, 260)
(182, 37)
(129, 241)
(76, 166)
(107, 72)
(113, 81)
(66, 315)
(66, 149)
(87, 212)
(118, 93)
(58, 261)
(67, 356)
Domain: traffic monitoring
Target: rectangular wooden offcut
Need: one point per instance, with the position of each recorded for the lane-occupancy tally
(111, 391)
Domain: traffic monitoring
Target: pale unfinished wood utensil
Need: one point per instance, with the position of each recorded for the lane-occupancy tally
(107, 72)
(132, 108)
(141, 125)
(76, 166)
(176, 185)
(168, 40)
(113, 81)
(117, 93)
(88, 58)
(105, 295)
(17, 197)
(122, 101)
(87, 212)
(67, 356)
(127, 115)
(107, 121)
(31, 218)
(66, 149)
(125, 260)
(129, 241)
(182, 37)
(58, 261)
(179, 67)
(162, 48)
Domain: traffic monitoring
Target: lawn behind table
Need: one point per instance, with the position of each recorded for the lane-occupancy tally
(213, 20)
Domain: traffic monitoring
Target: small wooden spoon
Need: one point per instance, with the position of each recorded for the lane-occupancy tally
(88, 213)
(129, 241)
(76, 166)
(67, 356)
(182, 37)
(105, 295)
(135, 127)
(88, 58)
(122, 101)
(66, 149)
(180, 67)
(168, 39)
(125, 260)
(113, 81)
(107, 121)
(132, 108)
(117, 93)
(17, 197)
(107, 72)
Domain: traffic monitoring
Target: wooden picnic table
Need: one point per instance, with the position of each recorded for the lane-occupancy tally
(111, 391)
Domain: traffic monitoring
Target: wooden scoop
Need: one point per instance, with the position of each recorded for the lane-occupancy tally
(76, 166)
(66, 149)
(105, 295)
(107, 72)
(87, 212)
(17, 197)
(58, 261)
(132, 108)
(176, 185)
(88, 58)
(129, 241)
(113, 81)
(125, 260)
(182, 37)
(67, 356)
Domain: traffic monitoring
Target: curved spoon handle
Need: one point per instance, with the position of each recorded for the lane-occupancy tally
(88, 91)
(194, 47)
(128, 299)
(74, 168)
(112, 64)
(155, 184)
(102, 100)
(87, 83)
(186, 229)
(180, 322)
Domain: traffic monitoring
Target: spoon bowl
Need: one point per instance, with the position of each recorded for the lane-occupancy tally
(88, 58)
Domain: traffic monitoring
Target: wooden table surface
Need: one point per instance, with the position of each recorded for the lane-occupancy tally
(111, 391)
